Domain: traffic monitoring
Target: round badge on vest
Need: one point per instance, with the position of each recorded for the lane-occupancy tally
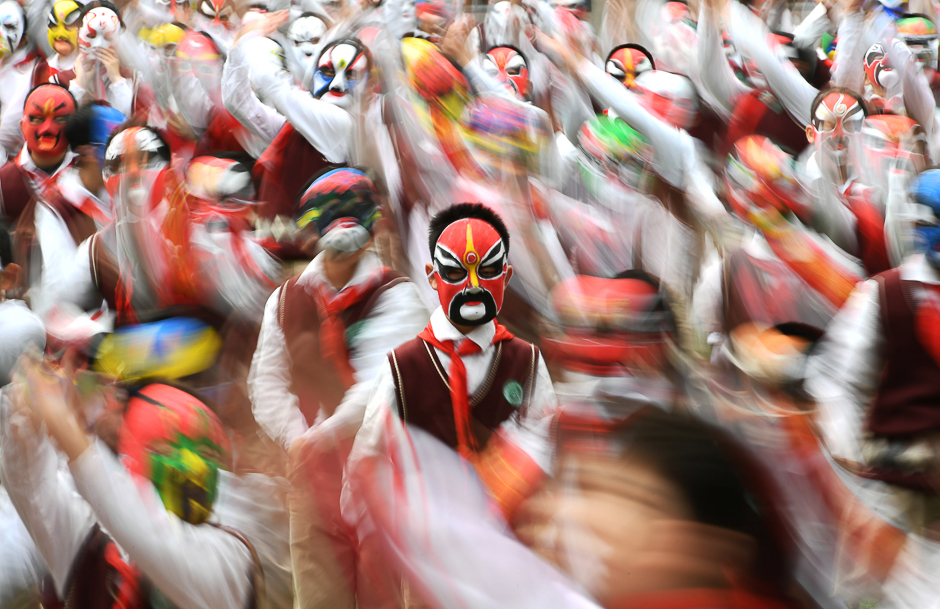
(512, 391)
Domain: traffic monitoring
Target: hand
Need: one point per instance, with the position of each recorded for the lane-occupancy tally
(46, 391)
(109, 59)
(454, 44)
(264, 25)
(81, 72)
(562, 55)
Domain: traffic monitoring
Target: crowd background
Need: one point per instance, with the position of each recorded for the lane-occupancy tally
(409, 303)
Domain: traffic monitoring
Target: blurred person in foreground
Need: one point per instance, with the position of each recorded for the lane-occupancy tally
(465, 380)
(160, 523)
(657, 510)
(323, 340)
(877, 378)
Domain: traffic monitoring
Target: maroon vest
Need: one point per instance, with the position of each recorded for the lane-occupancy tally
(94, 580)
(286, 165)
(424, 398)
(768, 292)
(313, 378)
(908, 400)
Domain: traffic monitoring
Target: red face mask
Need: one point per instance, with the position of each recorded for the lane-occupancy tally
(45, 113)
(508, 66)
(470, 262)
(626, 63)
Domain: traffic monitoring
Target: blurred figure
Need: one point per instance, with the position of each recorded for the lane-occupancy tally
(323, 339)
(64, 22)
(875, 372)
(660, 510)
(168, 502)
(465, 380)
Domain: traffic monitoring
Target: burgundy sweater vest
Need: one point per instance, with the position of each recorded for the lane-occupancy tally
(423, 394)
(313, 378)
(285, 166)
(768, 292)
(908, 399)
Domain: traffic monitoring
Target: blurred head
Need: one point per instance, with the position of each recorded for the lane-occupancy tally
(920, 34)
(101, 23)
(174, 440)
(837, 116)
(611, 327)
(628, 61)
(12, 27)
(305, 32)
(760, 176)
(670, 97)
(165, 37)
(578, 8)
(216, 12)
(62, 29)
(656, 502)
(925, 192)
(342, 70)
(219, 179)
(132, 160)
(889, 149)
(340, 209)
(198, 57)
(470, 248)
(434, 77)
(434, 17)
(45, 114)
(612, 148)
(879, 71)
(503, 134)
(509, 67)
(88, 132)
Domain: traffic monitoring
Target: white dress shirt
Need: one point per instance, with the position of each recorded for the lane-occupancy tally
(399, 314)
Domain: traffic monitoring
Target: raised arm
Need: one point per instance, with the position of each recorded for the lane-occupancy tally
(716, 74)
(243, 104)
(750, 36)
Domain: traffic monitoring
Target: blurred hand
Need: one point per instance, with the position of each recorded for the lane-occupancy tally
(454, 44)
(264, 25)
(112, 64)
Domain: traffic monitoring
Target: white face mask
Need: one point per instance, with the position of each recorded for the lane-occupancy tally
(99, 28)
(12, 26)
(345, 240)
(341, 69)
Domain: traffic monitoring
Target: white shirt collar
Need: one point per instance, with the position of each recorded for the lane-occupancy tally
(26, 161)
(369, 264)
(444, 330)
(916, 268)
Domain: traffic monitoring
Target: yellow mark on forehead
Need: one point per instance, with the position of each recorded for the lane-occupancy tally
(469, 237)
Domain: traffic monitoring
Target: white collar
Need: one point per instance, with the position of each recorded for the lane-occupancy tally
(444, 330)
(916, 268)
(26, 162)
(368, 265)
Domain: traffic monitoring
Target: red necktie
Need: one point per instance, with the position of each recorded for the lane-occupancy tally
(457, 375)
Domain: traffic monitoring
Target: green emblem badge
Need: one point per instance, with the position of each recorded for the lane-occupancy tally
(512, 391)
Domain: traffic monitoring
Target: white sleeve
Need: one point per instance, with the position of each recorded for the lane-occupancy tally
(65, 272)
(808, 33)
(849, 70)
(480, 81)
(665, 140)
(275, 407)
(327, 127)
(240, 100)
(121, 95)
(398, 316)
(57, 518)
(750, 35)
(532, 433)
(195, 566)
(708, 300)
(843, 376)
(716, 73)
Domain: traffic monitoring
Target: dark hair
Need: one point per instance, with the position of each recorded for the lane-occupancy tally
(51, 84)
(78, 129)
(6, 245)
(631, 45)
(722, 483)
(461, 211)
(845, 91)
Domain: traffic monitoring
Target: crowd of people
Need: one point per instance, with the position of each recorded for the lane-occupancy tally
(410, 303)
